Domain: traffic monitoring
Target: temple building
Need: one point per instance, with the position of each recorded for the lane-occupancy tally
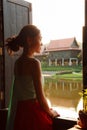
(62, 52)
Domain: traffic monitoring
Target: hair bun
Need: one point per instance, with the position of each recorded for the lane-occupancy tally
(11, 43)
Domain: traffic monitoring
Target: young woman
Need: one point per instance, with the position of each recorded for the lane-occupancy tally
(28, 107)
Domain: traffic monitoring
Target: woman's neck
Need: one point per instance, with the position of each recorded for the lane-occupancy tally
(28, 54)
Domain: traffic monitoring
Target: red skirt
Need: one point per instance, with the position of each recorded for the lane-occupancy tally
(30, 116)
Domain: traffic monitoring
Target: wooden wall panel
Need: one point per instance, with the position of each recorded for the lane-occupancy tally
(12, 18)
(20, 18)
(20, 2)
(17, 13)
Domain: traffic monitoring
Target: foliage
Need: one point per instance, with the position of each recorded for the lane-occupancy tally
(44, 64)
(83, 94)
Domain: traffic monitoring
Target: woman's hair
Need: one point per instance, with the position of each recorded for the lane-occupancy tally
(15, 42)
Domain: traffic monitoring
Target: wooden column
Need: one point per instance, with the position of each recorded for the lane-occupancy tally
(2, 58)
(85, 49)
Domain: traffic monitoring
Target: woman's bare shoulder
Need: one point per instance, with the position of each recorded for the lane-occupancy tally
(35, 63)
(27, 61)
(27, 65)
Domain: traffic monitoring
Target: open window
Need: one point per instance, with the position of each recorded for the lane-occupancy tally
(61, 56)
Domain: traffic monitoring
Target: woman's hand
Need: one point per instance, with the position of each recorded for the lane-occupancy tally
(54, 113)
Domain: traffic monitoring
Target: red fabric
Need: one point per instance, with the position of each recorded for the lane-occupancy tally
(30, 116)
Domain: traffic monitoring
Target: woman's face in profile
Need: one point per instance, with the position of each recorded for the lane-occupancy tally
(37, 42)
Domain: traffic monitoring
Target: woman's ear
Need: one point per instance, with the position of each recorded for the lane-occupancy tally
(29, 41)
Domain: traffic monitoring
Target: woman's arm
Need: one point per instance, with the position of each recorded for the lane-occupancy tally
(37, 78)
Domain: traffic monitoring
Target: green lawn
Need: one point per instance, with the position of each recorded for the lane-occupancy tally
(62, 68)
(74, 76)
(62, 72)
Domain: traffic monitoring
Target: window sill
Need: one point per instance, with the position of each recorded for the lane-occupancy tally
(63, 123)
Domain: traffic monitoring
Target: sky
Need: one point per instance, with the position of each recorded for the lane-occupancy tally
(58, 19)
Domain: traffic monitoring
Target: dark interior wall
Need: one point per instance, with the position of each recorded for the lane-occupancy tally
(85, 49)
